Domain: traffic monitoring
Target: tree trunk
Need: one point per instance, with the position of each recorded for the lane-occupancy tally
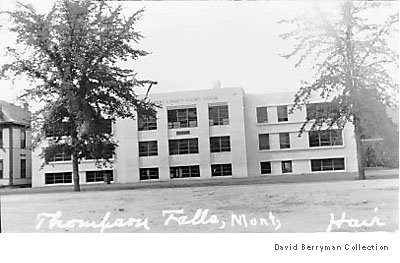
(106, 179)
(360, 153)
(75, 163)
(75, 172)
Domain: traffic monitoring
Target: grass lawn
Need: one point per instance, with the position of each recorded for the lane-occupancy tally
(281, 207)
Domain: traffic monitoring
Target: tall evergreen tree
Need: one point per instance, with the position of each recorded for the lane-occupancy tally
(72, 54)
(351, 56)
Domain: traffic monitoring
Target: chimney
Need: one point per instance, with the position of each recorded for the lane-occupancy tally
(26, 106)
(217, 84)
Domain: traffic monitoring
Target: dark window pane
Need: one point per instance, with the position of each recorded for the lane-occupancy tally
(185, 171)
(58, 178)
(215, 144)
(195, 171)
(225, 144)
(336, 137)
(263, 141)
(146, 123)
(325, 138)
(221, 169)
(216, 170)
(286, 166)
(284, 140)
(316, 165)
(193, 146)
(313, 137)
(183, 146)
(282, 113)
(327, 164)
(1, 169)
(148, 173)
(173, 147)
(338, 164)
(220, 144)
(182, 118)
(218, 115)
(262, 115)
(265, 167)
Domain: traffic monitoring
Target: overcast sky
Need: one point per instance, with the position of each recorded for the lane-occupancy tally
(193, 44)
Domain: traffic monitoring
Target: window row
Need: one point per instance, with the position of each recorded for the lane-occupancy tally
(286, 167)
(313, 111)
(61, 154)
(328, 164)
(66, 177)
(263, 141)
(262, 114)
(185, 118)
(316, 139)
(190, 171)
(63, 127)
(185, 146)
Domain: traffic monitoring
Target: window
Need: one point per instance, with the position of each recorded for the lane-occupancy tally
(148, 148)
(183, 146)
(265, 167)
(220, 144)
(99, 152)
(23, 168)
(284, 140)
(58, 178)
(221, 169)
(325, 138)
(182, 118)
(23, 138)
(60, 154)
(184, 171)
(1, 137)
(263, 141)
(148, 173)
(331, 164)
(98, 176)
(56, 129)
(286, 166)
(262, 115)
(319, 110)
(147, 122)
(282, 113)
(218, 115)
(1, 169)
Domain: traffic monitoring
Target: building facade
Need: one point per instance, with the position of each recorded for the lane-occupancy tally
(15, 145)
(220, 132)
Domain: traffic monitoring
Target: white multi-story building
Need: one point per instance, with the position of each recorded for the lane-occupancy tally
(220, 132)
(15, 145)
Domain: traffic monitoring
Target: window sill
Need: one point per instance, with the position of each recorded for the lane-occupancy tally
(100, 182)
(279, 123)
(302, 149)
(149, 180)
(330, 171)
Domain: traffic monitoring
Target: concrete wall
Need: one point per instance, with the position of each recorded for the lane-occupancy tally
(299, 153)
(128, 161)
(243, 130)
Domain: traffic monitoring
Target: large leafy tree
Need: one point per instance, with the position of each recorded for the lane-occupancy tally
(72, 54)
(351, 56)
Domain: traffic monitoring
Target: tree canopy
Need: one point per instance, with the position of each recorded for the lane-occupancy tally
(72, 54)
(350, 55)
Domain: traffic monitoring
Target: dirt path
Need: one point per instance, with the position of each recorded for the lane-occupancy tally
(298, 207)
